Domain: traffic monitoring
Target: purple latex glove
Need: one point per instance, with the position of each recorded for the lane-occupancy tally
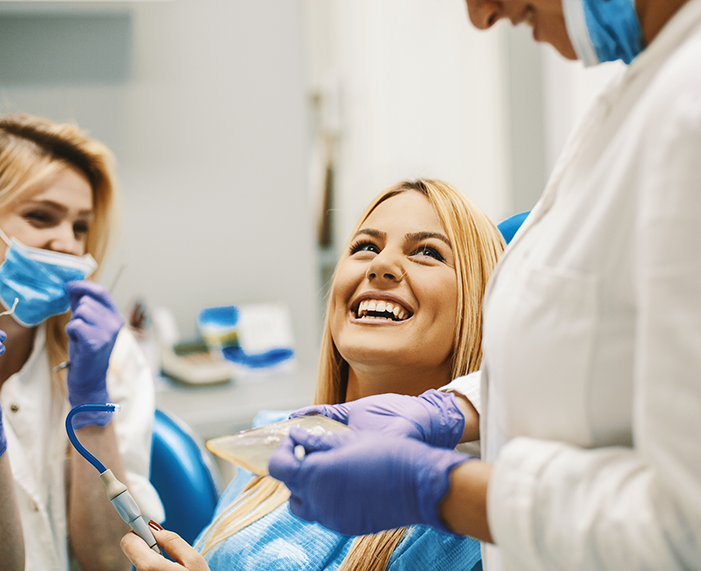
(92, 332)
(432, 417)
(364, 482)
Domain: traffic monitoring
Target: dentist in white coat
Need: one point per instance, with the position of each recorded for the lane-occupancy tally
(591, 383)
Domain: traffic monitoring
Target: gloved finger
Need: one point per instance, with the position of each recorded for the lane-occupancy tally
(284, 465)
(77, 289)
(94, 335)
(314, 442)
(337, 412)
(296, 506)
(75, 329)
(87, 309)
(94, 312)
(3, 336)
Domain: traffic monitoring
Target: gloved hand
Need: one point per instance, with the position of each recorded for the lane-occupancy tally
(3, 438)
(364, 482)
(432, 417)
(92, 332)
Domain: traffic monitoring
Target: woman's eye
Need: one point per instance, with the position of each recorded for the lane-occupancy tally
(39, 218)
(81, 228)
(365, 247)
(430, 252)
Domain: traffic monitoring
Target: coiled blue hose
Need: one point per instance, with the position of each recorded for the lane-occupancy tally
(107, 407)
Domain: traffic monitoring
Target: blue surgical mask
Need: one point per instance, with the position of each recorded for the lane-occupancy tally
(603, 30)
(37, 278)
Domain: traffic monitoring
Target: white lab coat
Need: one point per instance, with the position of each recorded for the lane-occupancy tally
(38, 446)
(591, 379)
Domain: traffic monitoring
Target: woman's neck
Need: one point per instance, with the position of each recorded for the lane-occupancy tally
(653, 15)
(373, 380)
(18, 346)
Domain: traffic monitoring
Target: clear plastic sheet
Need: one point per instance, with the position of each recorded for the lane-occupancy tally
(252, 449)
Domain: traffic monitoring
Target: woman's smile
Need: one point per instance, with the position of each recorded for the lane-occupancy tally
(379, 308)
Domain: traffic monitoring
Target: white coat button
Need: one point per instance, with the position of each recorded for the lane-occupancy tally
(14, 407)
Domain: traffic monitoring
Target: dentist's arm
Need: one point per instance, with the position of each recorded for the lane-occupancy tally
(94, 526)
(365, 482)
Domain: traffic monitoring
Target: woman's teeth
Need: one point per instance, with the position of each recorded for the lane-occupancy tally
(376, 309)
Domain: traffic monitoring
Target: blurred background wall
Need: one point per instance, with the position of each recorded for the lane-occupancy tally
(250, 134)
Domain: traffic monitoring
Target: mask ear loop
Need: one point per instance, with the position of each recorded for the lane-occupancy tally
(12, 309)
(4, 237)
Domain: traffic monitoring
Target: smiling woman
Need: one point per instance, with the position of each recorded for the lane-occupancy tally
(403, 316)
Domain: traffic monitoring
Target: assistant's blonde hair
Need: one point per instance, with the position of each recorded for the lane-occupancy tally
(476, 244)
(32, 149)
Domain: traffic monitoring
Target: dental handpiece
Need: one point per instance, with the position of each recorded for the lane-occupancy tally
(117, 492)
(126, 507)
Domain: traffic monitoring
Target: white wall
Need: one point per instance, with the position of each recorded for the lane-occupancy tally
(417, 92)
(204, 104)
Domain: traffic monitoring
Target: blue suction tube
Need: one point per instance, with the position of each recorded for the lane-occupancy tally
(107, 407)
(117, 492)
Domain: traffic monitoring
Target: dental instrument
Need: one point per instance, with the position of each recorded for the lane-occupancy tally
(117, 492)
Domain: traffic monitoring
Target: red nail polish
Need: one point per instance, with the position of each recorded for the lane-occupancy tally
(155, 525)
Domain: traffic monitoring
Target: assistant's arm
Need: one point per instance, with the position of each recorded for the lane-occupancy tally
(11, 536)
(94, 526)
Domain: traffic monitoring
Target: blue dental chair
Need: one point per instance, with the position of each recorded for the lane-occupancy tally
(510, 226)
(184, 477)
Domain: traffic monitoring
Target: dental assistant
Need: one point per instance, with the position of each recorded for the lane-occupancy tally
(56, 203)
(590, 394)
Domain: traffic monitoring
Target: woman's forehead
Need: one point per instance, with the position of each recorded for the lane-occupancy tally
(406, 212)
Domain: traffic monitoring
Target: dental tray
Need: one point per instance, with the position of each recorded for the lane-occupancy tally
(251, 449)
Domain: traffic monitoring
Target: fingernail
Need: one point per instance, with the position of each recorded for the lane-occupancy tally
(155, 525)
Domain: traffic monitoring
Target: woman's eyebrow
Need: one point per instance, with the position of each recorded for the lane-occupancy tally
(371, 232)
(418, 236)
(89, 213)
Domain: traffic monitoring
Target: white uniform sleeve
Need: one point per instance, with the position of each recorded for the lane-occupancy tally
(130, 385)
(467, 386)
(557, 506)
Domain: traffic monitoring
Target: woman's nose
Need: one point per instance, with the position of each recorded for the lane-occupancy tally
(386, 266)
(65, 241)
(484, 13)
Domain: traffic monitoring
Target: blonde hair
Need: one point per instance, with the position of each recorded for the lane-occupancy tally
(476, 244)
(32, 149)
